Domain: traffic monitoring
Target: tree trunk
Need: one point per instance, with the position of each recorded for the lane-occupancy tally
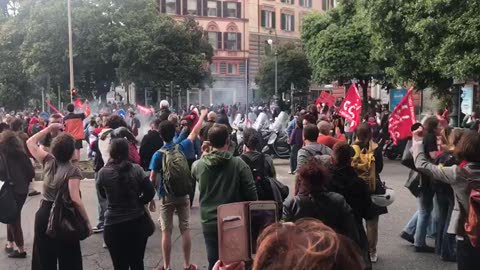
(364, 85)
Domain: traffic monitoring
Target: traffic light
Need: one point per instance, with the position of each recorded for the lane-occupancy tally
(74, 93)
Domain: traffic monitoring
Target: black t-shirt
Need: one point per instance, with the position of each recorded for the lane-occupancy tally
(430, 144)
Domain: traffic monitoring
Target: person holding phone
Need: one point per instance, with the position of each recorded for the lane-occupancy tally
(222, 179)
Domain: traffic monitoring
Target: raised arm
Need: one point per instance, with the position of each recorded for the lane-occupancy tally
(33, 143)
(198, 126)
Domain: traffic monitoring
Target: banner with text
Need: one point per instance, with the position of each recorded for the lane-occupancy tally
(351, 107)
(402, 118)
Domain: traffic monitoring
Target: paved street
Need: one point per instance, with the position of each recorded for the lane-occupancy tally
(394, 253)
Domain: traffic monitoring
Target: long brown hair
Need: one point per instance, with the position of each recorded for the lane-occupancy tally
(10, 144)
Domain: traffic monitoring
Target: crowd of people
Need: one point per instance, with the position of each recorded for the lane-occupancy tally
(329, 221)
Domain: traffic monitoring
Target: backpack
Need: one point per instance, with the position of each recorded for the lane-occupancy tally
(472, 223)
(262, 183)
(364, 164)
(177, 177)
(318, 156)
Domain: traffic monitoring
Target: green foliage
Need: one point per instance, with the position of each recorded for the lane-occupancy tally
(113, 41)
(338, 44)
(292, 67)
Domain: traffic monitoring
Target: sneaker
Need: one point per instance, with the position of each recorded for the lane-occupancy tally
(97, 229)
(8, 250)
(18, 255)
(373, 257)
(34, 193)
(425, 249)
(104, 245)
(191, 267)
(408, 237)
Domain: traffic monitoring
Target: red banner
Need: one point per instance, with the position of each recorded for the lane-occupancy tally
(402, 118)
(78, 103)
(325, 98)
(351, 107)
(145, 110)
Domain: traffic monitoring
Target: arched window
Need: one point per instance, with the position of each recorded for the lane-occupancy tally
(232, 39)
(214, 36)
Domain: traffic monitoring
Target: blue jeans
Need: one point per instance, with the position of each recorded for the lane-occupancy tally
(293, 157)
(211, 244)
(425, 206)
(411, 226)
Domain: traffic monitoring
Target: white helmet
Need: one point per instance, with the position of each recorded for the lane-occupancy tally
(384, 200)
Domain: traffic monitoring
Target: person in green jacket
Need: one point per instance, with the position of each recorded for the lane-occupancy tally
(222, 179)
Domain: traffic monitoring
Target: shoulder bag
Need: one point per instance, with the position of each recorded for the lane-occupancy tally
(65, 222)
(8, 205)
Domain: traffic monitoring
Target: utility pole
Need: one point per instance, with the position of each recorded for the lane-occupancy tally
(70, 48)
(59, 98)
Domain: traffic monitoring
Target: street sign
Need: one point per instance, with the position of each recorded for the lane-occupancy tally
(396, 95)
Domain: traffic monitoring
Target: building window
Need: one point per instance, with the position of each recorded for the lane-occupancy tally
(192, 7)
(328, 4)
(231, 10)
(305, 3)
(268, 19)
(288, 22)
(232, 41)
(232, 69)
(241, 68)
(291, 2)
(211, 8)
(214, 68)
(213, 39)
(171, 6)
(223, 68)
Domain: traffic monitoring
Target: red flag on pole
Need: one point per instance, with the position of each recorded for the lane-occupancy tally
(402, 118)
(325, 98)
(88, 110)
(351, 107)
(78, 103)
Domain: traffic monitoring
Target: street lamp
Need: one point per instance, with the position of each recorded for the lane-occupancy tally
(270, 42)
(70, 48)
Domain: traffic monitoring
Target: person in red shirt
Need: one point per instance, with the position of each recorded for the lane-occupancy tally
(325, 138)
(74, 126)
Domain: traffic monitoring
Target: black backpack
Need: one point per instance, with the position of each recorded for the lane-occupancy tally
(262, 183)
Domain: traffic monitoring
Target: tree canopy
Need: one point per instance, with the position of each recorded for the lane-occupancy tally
(113, 41)
(292, 67)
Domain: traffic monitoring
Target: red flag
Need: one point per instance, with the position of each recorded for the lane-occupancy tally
(88, 110)
(402, 118)
(53, 107)
(351, 107)
(78, 103)
(325, 98)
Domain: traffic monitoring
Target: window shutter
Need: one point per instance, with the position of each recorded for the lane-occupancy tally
(263, 18)
(293, 22)
(223, 68)
(225, 12)
(219, 9)
(219, 40)
(199, 8)
(273, 20)
(185, 9)
(205, 8)
(225, 40)
(239, 10)
(178, 7)
(163, 6)
(239, 41)
(282, 21)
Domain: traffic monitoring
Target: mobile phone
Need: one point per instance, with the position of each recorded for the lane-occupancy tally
(261, 215)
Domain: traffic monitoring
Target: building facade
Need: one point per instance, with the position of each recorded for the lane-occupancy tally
(238, 31)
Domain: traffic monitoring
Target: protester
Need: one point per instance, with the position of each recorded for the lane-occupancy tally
(296, 142)
(127, 189)
(222, 179)
(169, 203)
(151, 142)
(325, 136)
(57, 168)
(445, 242)
(164, 110)
(459, 177)
(260, 164)
(74, 126)
(368, 164)
(15, 166)
(312, 149)
(47, 141)
(307, 244)
(426, 193)
(355, 190)
(211, 119)
(311, 200)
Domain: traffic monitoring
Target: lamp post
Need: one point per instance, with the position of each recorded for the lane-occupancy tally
(270, 42)
(70, 48)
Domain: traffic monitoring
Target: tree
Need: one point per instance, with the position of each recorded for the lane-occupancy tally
(338, 45)
(153, 50)
(292, 67)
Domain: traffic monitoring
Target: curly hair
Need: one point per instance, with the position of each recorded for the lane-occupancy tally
(116, 121)
(312, 178)
(62, 147)
(307, 244)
